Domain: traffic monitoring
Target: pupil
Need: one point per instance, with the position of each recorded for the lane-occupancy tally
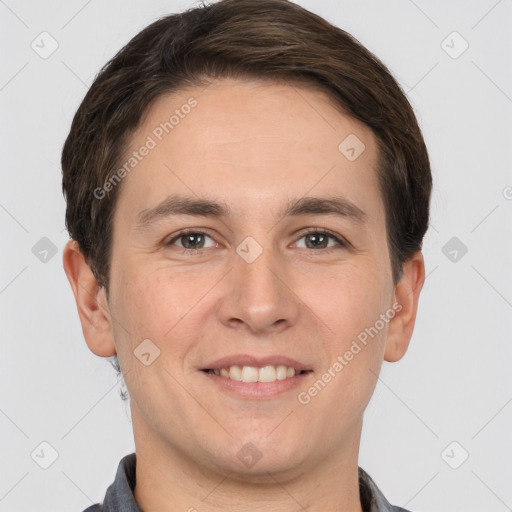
(189, 240)
(315, 236)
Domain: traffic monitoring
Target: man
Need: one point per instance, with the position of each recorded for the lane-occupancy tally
(247, 193)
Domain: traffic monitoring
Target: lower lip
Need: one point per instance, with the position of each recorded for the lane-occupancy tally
(257, 390)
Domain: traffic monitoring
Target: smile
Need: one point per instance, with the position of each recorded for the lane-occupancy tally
(250, 374)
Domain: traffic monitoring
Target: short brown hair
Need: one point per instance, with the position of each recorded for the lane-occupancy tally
(266, 39)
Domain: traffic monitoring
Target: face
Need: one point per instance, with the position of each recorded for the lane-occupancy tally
(283, 277)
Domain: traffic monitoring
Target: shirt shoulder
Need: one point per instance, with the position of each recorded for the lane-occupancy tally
(372, 498)
(119, 496)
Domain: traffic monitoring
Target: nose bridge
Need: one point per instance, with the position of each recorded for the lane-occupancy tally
(257, 295)
(257, 286)
(254, 272)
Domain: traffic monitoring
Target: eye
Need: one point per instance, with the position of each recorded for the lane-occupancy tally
(190, 240)
(320, 240)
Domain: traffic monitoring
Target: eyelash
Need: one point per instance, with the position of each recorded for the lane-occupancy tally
(343, 244)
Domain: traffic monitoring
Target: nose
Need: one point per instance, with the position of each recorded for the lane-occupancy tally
(258, 296)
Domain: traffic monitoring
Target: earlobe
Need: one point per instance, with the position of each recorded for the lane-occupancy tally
(91, 302)
(407, 292)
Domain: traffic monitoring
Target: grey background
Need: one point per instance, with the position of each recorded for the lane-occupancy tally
(454, 384)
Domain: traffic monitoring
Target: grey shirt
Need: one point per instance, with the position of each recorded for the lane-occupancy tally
(119, 496)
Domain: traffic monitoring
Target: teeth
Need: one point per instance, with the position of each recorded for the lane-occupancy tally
(249, 374)
(281, 372)
(267, 374)
(235, 373)
(254, 374)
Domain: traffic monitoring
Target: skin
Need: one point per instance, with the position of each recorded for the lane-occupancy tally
(256, 146)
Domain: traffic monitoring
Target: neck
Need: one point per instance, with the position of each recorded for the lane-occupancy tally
(167, 479)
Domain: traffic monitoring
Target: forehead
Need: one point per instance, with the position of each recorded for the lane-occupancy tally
(245, 142)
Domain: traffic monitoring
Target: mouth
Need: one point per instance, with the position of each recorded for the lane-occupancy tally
(256, 378)
(248, 374)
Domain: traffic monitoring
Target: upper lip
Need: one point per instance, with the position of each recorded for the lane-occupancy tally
(258, 361)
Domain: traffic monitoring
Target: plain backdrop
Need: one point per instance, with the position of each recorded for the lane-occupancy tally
(437, 433)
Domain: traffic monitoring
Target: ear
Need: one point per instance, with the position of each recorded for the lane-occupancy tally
(91, 302)
(407, 292)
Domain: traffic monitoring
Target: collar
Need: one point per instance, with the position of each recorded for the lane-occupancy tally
(372, 498)
(119, 496)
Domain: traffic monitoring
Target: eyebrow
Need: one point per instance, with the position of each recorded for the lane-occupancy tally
(200, 207)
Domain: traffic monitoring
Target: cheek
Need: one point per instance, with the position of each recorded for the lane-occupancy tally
(163, 305)
(145, 306)
(353, 304)
(152, 299)
(350, 299)
(354, 352)
(142, 309)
